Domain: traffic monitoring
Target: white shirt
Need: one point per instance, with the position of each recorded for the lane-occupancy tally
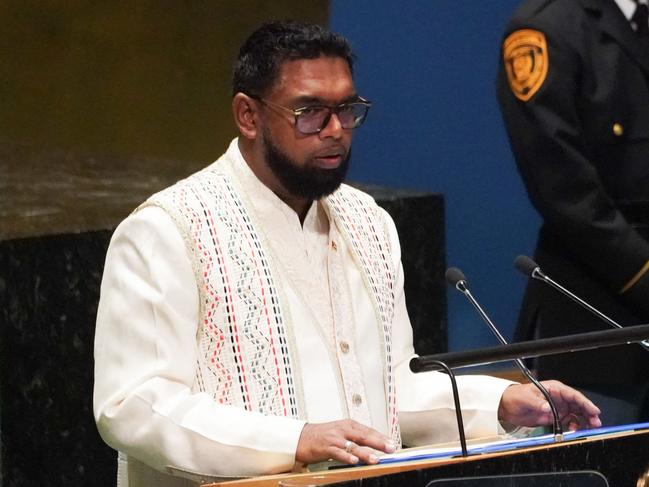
(145, 354)
(628, 9)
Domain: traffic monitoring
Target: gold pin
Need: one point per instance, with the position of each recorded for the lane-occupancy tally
(333, 245)
(618, 129)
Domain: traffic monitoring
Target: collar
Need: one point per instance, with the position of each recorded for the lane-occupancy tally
(608, 17)
(262, 198)
(628, 7)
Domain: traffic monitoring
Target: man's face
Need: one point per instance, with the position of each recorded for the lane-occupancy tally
(305, 181)
(307, 166)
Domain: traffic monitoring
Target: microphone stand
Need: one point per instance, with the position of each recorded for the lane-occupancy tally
(523, 264)
(456, 400)
(557, 428)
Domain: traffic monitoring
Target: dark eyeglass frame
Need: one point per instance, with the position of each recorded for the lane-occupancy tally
(336, 109)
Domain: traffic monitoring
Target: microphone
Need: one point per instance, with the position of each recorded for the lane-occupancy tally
(531, 269)
(455, 277)
(456, 400)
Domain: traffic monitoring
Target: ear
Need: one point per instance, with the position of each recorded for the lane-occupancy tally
(245, 112)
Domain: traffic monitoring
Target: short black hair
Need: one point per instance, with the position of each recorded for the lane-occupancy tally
(261, 55)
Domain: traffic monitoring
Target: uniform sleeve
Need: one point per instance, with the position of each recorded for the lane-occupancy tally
(145, 359)
(425, 400)
(552, 154)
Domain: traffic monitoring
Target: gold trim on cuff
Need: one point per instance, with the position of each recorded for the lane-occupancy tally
(635, 278)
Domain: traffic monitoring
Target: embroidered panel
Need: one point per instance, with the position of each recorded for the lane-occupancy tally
(359, 219)
(244, 352)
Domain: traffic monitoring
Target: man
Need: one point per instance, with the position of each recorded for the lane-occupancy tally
(574, 92)
(252, 317)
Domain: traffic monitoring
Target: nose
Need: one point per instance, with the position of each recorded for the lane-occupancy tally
(332, 128)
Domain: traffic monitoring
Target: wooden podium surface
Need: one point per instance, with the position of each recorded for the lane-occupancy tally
(623, 458)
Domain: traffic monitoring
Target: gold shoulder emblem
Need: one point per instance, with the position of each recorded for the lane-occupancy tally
(525, 54)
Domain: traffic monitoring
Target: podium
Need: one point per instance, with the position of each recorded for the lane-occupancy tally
(622, 459)
(555, 479)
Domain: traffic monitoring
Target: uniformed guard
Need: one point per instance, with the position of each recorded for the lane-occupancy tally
(574, 92)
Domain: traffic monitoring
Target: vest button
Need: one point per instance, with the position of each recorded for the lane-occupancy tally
(357, 399)
(618, 130)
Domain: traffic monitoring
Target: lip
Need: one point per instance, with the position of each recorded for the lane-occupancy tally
(329, 162)
(330, 158)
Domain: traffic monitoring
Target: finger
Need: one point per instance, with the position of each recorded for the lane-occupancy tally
(343, 456)
(352, 453)
(578, 402)
(364, 436)
(341, 452)
(594, 422)
(570, 422)
(367, 455)
(570, 401)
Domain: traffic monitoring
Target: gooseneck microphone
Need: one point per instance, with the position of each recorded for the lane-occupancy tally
(455, 277)
(531, 269)
(458, 408)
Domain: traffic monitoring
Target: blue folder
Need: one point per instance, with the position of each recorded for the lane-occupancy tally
(512, 444)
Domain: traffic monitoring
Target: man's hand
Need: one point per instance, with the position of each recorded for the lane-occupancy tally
(524, 405)
(346, 441)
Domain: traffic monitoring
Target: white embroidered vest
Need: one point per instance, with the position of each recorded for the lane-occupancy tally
(247, 355)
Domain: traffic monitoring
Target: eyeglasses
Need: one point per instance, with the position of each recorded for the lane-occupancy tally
(313, 118)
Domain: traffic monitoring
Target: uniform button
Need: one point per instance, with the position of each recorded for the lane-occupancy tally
(344, 346)
(357, 399)
(618, 129)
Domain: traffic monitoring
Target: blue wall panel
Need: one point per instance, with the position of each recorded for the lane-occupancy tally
(430, 69)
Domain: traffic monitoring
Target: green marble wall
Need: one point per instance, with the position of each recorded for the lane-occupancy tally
(143, 77)
(117, 92)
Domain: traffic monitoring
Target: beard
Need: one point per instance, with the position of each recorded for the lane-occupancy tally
(303, 181)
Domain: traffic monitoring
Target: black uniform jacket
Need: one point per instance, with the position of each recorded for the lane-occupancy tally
(581, 143)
